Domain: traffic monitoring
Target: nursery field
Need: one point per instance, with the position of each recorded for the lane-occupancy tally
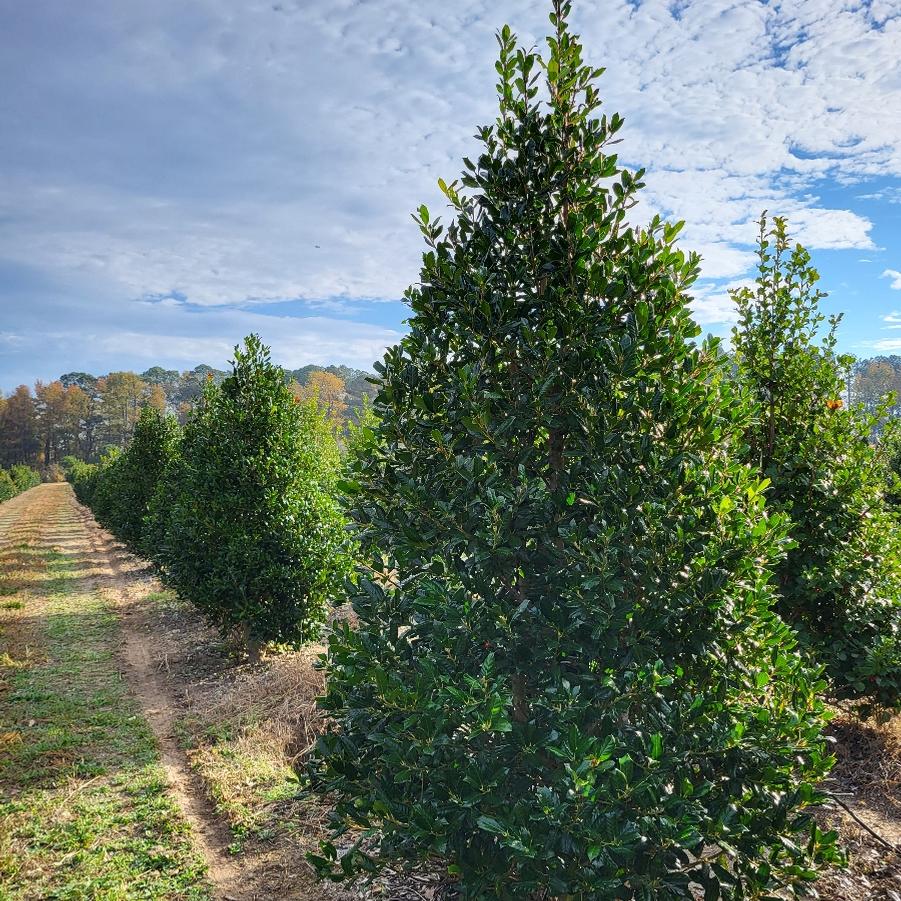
(98, 795)
(604, 610)
(565, 600)
(138, 759)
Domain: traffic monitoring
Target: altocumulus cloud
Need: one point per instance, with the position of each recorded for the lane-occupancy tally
(228, 154)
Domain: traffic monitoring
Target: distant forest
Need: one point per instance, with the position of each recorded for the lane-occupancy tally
(81, 415)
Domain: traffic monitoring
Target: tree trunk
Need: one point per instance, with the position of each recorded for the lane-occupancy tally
(250, 644)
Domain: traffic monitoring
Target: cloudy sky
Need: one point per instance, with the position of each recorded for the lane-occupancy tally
(177, 173)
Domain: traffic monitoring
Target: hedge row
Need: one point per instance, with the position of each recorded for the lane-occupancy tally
(239, 510)
(17, 479)
(839, 584)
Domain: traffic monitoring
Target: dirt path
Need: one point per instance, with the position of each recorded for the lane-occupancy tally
(159, 708)
(47, 522)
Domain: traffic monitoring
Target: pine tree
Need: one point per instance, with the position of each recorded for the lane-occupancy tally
(840, 585)
(245, 521)
(567, 679)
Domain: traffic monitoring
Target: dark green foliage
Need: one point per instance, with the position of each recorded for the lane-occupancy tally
(92, 482)
(245, 521)
(129, 480)
(567, 679)
(83, 477)
(840, 584)
(889, 453)
(17, 479)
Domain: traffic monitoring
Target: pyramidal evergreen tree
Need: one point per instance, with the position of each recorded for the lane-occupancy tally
(128, 484)
(567, 679)
(245, 521)
(840, 584)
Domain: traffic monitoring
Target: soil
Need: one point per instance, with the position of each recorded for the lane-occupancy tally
(155, 697)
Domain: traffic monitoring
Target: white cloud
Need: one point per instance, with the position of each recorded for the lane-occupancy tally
(713, 309)
(895, 276)
(225, 151)
(292, 339)
(180, 337)
(886, 345)
(830, 229)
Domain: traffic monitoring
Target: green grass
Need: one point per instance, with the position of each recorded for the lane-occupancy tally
(84, 810)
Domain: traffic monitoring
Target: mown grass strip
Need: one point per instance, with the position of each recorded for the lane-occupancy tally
(84, 809)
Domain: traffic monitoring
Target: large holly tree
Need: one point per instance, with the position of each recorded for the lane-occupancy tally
(567, 679)
(840, 584)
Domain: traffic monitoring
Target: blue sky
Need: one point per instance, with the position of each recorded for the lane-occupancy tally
(174, 175)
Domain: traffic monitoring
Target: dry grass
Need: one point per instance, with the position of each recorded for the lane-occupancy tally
(867, 777)
(868, 762)
(249, 733)
(279, 696)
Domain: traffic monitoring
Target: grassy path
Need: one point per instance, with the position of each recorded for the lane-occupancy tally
(86, 810)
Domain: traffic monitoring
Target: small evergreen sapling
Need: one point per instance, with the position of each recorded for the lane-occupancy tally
(82, 477)
(96, 486)
(567, 679)
(840, 585)
(24, 477)
(17, 479)
(246, 521)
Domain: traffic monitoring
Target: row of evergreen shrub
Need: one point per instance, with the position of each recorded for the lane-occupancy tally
(17, 479)
(239, 510)
(839, 584)
(601, 565)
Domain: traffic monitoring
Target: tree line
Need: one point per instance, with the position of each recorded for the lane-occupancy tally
(605, 576)
(83, 415)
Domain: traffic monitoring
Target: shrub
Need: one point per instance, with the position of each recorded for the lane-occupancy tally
(17, 479)
(24, 477)
(889, 453)
(360, 433)
(7, 486)
(131, 478)
(840, 585)
(567, 678)
(83, 477)
(247, 524)
(102, 486)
